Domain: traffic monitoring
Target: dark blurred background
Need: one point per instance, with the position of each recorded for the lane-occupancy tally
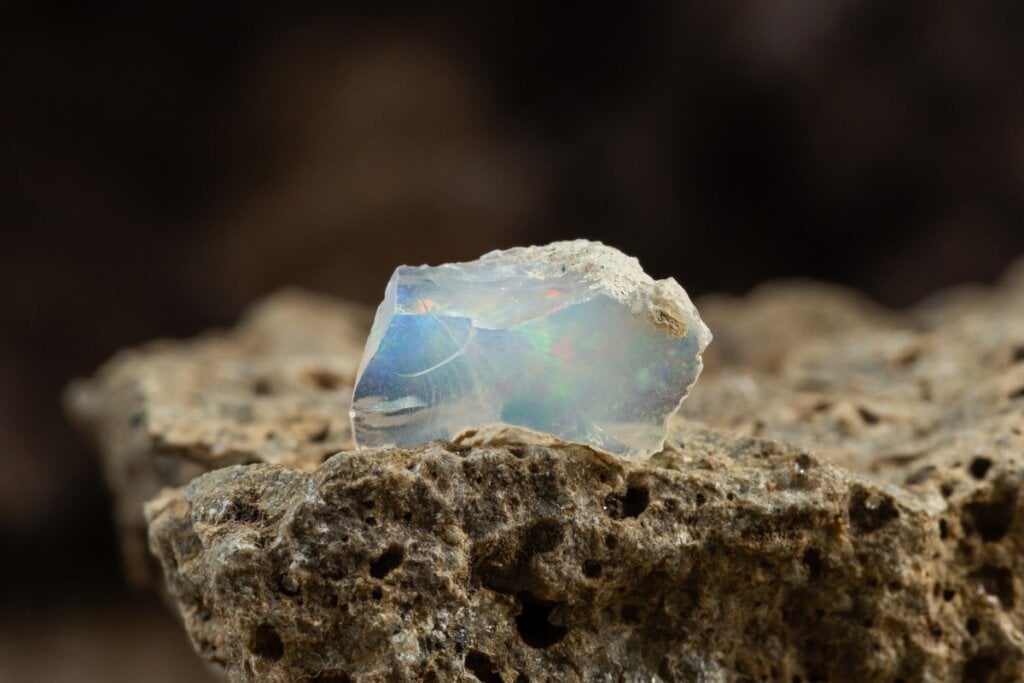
(164, 164)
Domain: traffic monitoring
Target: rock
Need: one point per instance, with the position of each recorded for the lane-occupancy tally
(876, 393)
(842, 504)
(758, 331)
(165, 413)
(723, 557)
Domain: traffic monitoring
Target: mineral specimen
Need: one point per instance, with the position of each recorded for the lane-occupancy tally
(571, 339)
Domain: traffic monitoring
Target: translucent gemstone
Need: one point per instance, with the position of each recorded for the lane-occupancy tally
(572, 339)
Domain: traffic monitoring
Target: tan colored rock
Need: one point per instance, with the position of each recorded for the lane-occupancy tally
(875, 394)
(169, 411)
(727, 558)
(840, 501)
(758, 331)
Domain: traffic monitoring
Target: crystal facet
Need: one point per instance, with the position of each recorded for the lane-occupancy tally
(572, 339)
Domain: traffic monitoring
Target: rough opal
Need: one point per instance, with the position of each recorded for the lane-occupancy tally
(572, 339)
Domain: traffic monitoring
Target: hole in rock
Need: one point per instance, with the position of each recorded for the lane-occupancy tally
(592, 569)
(631, 504)
(636, 500)
(1018, 354)
(973, 626)
(266, 643)
(996, 582)
(241, 511)
(387, 562)
(481, 666)
(991, 520)
(542, 536)
(868, 416)
(262, 387)
(812, 560)
(533, 625)
(611, 542)
(320, 435)
(981, 669)
(377, 593)
(948, 595)
(630, 614)
(1016, 394)
(909, 357)
(979, 467)
(870, 511)
(324, 379)
(803, 463)
(943, 529)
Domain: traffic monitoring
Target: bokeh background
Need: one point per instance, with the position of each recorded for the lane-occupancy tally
(166, 163)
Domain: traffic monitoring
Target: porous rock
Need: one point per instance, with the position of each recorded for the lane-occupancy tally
(841, 505)
(275, 389)
(725, 558)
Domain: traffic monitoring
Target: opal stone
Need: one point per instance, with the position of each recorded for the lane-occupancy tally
(571, 339)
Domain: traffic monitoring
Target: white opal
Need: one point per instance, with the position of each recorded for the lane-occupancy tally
(572, 339)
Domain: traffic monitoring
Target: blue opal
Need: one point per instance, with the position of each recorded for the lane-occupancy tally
(571, 339)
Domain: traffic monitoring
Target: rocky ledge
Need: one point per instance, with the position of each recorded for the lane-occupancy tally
(840, 501)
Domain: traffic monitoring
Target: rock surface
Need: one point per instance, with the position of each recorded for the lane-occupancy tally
(275, 390)
(840, 500)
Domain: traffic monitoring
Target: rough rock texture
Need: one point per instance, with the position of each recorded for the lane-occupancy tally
(275, 389)
(877, 394)
(728, 557)
(839, 501)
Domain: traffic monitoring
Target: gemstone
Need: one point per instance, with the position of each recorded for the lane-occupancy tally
(572, 339)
